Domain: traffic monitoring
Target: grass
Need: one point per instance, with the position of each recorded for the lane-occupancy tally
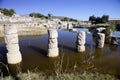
(72, 76)
(60, 73)
(101, 24)
(110, 30)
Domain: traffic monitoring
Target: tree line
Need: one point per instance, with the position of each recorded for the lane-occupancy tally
(69, 19)
(96, 20)
(49, 16)
(7, 12)
(10, 12)
(39, 15)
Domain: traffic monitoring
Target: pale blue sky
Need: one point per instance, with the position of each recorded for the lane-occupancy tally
(79, 9)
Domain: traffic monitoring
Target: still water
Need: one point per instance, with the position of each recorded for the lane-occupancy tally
(34, 51)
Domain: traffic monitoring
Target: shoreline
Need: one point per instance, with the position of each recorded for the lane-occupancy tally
(27, 31)
(65, 76)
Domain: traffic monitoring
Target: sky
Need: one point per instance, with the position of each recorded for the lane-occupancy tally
(78, 9)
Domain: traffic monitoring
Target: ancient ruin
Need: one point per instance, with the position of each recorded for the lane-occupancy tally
(53, 49)
(81, 38)
(100, 39)
(12, 44)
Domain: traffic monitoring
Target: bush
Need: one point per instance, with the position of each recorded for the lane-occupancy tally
(110, 30)
(7, 12)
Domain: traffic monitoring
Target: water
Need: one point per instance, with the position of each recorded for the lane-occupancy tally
(116, 33)
(82, 29)
(34, 51)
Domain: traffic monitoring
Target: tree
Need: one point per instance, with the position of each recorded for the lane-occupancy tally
(65, 19)
(11, 12)
(49, 15)
(8, 12)
(98, 20)
(95, 20)
(71, 19)
(105, 18)
(92, 19)
(37, 15)
(1, 9)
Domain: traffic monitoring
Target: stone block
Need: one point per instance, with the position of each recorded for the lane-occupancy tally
(14, 58)
(54, 52)
(80, 48)
(81, 38)
(100, 39)
(54, 40)
(12, 48)
(11, 38)
(8, 29)
(52, 33)
(81, 35)
(53, 45)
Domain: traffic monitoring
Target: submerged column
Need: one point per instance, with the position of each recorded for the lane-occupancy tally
(114, 40)
(81, 38)
(100, 39)
(53, 49)
(11, 41)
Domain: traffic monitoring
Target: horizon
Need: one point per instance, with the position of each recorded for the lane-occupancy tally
(77, 9)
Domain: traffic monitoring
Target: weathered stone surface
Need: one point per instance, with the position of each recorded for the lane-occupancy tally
(12, 48)
(14, 58)
(99, 30)
(53, 45)
(81, 38)
(80, 48)
(52, 33)
(9, 29)
(53, 52)
(100, 39)
(54, 40)
(11, 38)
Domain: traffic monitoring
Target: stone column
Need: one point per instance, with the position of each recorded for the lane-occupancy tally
(98, 30)
(53, 50)
(100, 39)
(69, 26)
(11, 41)
(81, 38)
(114, 40)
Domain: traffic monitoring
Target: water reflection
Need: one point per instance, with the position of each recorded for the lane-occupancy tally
(113, 47)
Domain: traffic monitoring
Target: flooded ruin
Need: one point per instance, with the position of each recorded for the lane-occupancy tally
(34, 54)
